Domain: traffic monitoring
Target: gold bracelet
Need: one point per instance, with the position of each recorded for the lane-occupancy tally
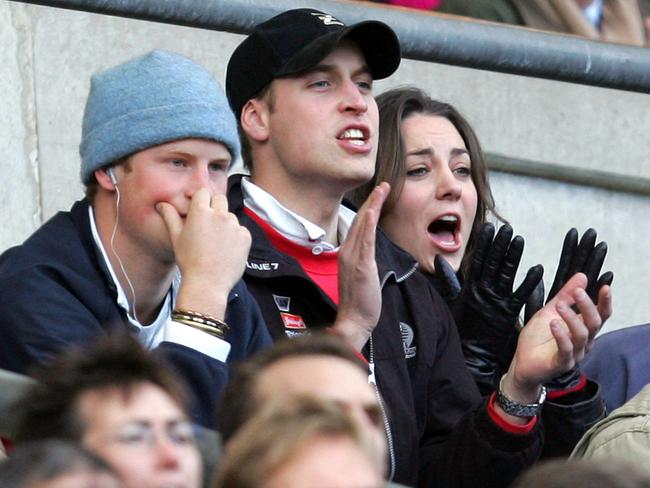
(208, 320)
(213, 331)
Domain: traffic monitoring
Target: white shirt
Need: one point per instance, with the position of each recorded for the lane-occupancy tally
(291, 225)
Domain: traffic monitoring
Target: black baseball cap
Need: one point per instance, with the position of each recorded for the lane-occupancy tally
(297, 40)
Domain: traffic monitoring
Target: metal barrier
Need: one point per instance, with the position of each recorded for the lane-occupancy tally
(424, 36)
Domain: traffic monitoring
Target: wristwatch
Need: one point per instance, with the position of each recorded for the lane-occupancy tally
(511, 407)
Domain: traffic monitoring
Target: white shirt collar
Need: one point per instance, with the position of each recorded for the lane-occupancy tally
(289, 224)
(150, 335)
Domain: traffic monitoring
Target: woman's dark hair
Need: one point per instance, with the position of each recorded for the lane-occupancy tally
(395, 106)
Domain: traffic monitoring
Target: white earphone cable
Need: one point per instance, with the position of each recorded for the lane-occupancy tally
(126, 276)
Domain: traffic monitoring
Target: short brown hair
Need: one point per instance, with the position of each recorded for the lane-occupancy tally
(49, 408)
(239, 401)
(279, 431)
(395, 106)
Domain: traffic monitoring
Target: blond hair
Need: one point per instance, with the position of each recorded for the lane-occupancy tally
(280, 430)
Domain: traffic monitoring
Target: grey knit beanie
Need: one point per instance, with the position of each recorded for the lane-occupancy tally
(156, 98)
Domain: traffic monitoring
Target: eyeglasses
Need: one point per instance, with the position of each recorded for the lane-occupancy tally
(146, 435)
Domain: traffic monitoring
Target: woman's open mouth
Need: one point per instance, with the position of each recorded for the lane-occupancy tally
(444, 231)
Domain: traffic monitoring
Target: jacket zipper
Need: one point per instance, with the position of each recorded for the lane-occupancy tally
(389, 433)
(373, 381)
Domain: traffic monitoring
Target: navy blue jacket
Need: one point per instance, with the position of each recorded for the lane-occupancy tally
(55, 292)
(440, 429)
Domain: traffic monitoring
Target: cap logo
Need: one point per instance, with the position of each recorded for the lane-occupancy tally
(327, 19)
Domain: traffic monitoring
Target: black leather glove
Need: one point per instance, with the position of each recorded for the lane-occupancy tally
(576, 257)
(485, 307)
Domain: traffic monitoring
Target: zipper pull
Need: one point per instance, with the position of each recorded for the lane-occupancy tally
(371, 376)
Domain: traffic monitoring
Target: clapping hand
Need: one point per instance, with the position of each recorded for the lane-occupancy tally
(577, 257)
(359, 289)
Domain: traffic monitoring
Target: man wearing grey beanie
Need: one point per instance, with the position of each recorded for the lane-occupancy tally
(152, 248)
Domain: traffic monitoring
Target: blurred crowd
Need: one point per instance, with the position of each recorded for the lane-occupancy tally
(620, 21)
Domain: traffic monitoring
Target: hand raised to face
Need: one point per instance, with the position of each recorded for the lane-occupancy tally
(359, 289)
(210, 248)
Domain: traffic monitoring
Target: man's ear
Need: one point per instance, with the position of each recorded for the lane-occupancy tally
(255, 119)
(104, 179)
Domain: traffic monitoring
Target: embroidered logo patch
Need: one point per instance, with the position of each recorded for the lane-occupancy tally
(292, 321)
(282, 303)
(407, 340)
(327, 19)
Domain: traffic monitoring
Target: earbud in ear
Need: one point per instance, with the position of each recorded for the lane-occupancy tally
(111, 175)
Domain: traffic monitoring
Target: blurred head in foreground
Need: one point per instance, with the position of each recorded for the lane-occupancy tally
(122, 403)
(301, 441)
(56, 464)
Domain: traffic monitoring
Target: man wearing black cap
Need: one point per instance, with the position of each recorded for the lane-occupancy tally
(301, 87)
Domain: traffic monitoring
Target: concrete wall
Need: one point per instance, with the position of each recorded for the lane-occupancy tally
(49, 54)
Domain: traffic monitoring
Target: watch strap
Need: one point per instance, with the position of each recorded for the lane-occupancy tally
(517, 409)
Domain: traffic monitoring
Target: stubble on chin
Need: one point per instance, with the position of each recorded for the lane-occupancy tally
(163, 252)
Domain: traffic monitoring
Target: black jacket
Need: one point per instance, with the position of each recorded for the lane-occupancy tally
(440, 429)
(56, 292)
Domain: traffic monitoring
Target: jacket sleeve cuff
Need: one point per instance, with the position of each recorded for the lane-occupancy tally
(195, 339)
(504, 424)
(555, 394)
